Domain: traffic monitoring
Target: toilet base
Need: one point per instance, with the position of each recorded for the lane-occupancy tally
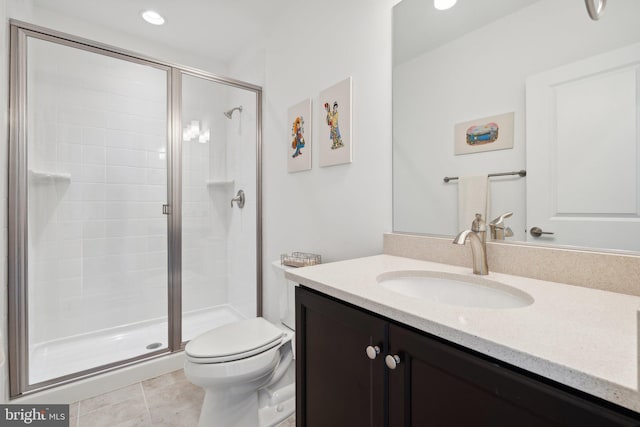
(279, 408)
(228, 409)
(262, 384)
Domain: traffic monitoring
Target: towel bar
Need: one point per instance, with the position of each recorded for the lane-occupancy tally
(522, 173)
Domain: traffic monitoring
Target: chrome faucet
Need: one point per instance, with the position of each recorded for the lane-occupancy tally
(478, 238)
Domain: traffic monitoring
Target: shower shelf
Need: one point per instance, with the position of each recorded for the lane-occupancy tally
(40, 177)
(220, 183)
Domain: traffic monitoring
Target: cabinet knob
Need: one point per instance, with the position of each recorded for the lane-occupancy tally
(373, 351)
(392, 361)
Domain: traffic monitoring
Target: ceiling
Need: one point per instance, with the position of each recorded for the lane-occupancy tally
(215, 28)
(418, 27)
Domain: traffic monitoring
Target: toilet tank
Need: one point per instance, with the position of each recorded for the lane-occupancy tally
(286, 295)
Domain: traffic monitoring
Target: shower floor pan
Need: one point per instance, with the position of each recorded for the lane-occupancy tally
(53, 359)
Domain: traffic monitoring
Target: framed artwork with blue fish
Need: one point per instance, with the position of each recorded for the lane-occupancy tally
(299, 140)
(484, 134)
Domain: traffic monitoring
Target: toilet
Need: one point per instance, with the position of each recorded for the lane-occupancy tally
(245, 367)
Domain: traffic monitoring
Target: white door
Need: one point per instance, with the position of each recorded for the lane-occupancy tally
(583, 179)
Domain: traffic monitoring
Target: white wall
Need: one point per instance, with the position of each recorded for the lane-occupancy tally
(339, 212)
(482, 74)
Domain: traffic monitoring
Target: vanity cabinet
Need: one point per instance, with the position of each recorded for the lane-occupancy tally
(429, 382)
(336, 383)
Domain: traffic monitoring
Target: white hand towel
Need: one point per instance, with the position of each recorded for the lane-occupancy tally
(473, 197)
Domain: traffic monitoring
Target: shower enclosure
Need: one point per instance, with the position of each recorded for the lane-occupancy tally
(123, 241)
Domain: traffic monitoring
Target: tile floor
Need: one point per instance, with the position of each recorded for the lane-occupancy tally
(166, 401)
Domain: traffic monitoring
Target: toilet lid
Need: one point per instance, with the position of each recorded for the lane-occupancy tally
(234, 341)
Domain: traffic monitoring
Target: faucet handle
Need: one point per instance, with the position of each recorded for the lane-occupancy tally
(478, 224)
(498, 230)
(499, 221)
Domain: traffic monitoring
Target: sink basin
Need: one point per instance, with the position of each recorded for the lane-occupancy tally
(454, 289)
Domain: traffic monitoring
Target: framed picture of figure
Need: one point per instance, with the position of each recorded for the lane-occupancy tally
(335, 124)
(299, 140)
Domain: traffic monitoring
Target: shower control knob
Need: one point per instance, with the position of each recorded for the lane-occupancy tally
(239, 199)
(392, 361)
(373, 351)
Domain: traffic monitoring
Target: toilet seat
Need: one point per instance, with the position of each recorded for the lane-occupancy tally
(234, 341)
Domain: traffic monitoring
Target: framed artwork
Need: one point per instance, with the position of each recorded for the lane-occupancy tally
(484, 134)
(335, 124)
(299, 141)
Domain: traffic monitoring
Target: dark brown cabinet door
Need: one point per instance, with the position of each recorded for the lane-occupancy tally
(436, 384)
(336, 382)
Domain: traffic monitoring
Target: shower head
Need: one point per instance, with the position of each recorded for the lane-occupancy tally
(229, 113)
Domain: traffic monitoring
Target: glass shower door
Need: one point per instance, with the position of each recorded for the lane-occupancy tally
(123, 241)
(219, 246)
(96, 149)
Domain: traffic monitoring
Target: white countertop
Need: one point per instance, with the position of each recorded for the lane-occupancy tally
(584, 338)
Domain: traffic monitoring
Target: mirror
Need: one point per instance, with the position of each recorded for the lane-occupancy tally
(571, 86)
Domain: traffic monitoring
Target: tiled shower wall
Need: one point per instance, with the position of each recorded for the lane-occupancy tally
(97, 255)
(98, 238)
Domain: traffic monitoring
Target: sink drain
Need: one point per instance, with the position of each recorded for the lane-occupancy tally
(154, 345)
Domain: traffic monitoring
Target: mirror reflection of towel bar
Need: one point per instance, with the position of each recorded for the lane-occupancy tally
(522, 173)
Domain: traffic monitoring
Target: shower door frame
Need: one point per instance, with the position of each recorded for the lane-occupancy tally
(18, 340)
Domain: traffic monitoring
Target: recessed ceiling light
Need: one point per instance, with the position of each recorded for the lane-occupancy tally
(152, 17)
(444, 4)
